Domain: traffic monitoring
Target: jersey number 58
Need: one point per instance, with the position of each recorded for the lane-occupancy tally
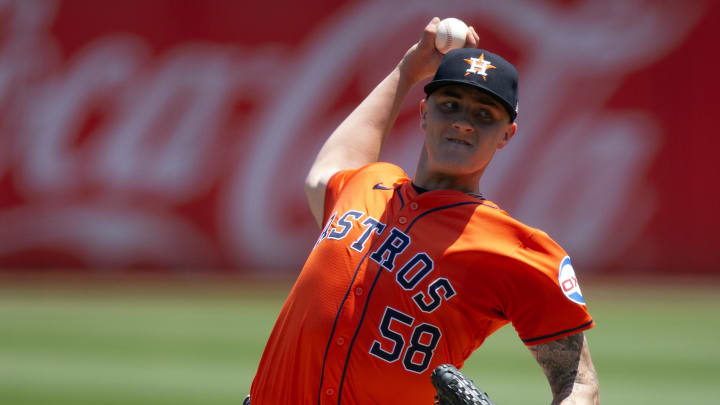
(423, 341)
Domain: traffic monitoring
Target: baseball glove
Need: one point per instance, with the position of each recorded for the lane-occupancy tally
(453, 388)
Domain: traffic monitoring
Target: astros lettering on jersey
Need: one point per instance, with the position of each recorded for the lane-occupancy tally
(399, 283)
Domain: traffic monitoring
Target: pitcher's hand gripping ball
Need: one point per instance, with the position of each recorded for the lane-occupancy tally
(451, 34)
(453, 388)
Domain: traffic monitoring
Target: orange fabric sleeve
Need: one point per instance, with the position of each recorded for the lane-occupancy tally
(333, 188)
(377, 172)
(545, 299)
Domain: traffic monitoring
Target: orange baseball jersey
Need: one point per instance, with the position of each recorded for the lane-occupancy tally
(400, 282)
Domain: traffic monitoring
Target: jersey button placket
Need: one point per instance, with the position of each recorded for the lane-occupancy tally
(338, 349)
(414, 205)
(402, 220)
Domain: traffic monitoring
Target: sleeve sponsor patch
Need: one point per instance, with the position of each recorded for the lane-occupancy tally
(569, 283)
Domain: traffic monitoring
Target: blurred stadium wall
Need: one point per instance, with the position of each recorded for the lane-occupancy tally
(176, 135)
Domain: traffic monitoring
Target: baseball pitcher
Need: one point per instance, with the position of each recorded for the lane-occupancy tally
(410, 273)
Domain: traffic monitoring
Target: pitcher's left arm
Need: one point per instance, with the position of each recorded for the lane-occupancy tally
(569, 369)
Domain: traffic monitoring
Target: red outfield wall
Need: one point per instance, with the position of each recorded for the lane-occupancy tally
(176, 135)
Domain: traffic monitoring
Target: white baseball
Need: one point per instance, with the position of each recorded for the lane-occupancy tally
(451, 34)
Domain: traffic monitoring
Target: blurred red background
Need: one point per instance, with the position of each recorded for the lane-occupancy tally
(175, 135)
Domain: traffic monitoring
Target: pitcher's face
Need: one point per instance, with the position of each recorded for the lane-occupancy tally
(463, 129)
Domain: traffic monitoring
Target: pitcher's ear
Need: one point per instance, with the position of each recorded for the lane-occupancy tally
(510, 131)
(423, 113)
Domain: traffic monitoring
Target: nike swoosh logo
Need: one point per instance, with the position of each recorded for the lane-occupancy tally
(379, 186)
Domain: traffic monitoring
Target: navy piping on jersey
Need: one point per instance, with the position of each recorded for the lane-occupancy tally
(438, 209)
(337, 316)
(402, 201)
(373, 245)
(586, 324)
(372, 288)
(357, 331)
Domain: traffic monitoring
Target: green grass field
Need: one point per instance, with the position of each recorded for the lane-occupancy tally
(98, 344)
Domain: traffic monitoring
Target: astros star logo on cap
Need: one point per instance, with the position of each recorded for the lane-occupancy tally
(479, 66)
(469, 66)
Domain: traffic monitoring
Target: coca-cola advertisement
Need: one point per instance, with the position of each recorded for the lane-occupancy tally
(176, 136)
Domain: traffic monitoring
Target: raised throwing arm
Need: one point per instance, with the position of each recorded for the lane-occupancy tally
(358, 139)
(569, 369)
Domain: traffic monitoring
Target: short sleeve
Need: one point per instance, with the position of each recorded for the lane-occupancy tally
(363, 179)
(545, 302)
(332, 191)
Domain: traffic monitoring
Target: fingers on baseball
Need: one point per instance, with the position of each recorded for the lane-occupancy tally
(428, 38)
(433, 23)
(472, 39)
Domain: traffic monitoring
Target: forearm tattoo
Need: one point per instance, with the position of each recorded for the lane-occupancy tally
(561, 363)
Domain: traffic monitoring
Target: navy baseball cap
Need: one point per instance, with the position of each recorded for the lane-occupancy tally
(481, 69)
